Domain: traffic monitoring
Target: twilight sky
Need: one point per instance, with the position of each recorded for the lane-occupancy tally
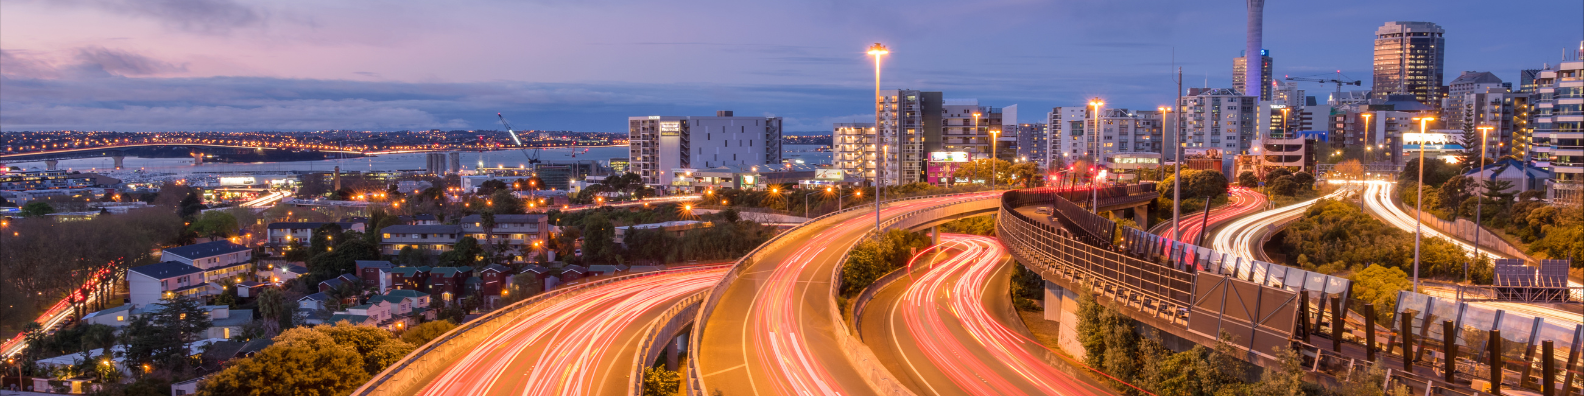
(586, 65)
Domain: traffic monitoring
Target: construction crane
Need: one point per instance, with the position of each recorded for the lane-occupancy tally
(533, 159)
(1339, 81)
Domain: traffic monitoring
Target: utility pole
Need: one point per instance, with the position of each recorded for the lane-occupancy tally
(1177, 165)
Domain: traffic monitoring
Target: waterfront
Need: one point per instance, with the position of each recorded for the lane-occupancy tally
(409, 161)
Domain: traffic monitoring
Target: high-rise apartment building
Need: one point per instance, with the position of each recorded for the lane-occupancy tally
(1456, 109)
(959, 133)
(1559, 130)
(1219, 118)
(1408, 60)
(1121, 133)
(1033, 142)
(659, 145)
(910, 128)
(1506, 113)
(1240, 73)
(852, 148)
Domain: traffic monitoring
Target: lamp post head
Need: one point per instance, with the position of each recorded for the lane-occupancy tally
(1096, 102)
(878, 49)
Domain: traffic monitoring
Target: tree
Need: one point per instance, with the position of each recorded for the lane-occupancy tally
(343, 260)
(302, 361)
(215, 224)
(190, 204)
(1305, 181)
(1248, 180)
(1284, 186)
(1379, 286)
(1350, 169)
(657, 381)
(276, 310)
(599, 236)
(464, 254)
(421, 334)
(377, 346)
(1196, 184)
(183, 318)
(37, 209)
(489, 186)
(1453, 192)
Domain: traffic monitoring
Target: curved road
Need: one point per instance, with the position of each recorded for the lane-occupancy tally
(1244, 201)
(1378, 198)
(945, 330)
(772, 332)
(1242, 237)
(578, 346)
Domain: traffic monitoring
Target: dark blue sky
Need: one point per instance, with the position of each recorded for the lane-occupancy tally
(587, 65)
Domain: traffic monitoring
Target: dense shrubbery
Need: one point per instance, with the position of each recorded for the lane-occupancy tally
(871, 259)
(1379, 285)
(323, 360)
(1027, 287)
(977, 225)
(1113, 344)
(1338, 236)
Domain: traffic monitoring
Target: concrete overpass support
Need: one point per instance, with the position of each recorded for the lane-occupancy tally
(1141, 216)
(120, 160)
(51, 164)
(197, 158)
(1061, 306)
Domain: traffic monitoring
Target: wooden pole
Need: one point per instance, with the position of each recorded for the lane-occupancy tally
(1495, 361)
(1449, 346)
(1369, 331)
(1406, 325)
(1337, 320)
(1547, 370)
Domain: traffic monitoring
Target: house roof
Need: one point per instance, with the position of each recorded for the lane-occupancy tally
(166, 270)
(606, 268)
(108, 311)
(251, 284)
(316, 297)
(238, 317)
(1508, 168)
(423, 216)
(1471, 77)
(295, 269)
(506, 218)
(305, 225)
(473, 280)
(406, 293)
(332, 282)
(574, 268)
(406, 271)
(206, 249)
(422, 229)
(497, 268)
(350, 318)
(645, 268)
(446, 271)
(361, 264)
(537, 269)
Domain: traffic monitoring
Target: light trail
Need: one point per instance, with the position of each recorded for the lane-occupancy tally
(1243, 202)
(571, 346)
(945, 314)
(1241, 237)
(59, 312)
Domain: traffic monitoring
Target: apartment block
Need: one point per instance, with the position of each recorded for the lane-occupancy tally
(660, 144)
(1558, 138)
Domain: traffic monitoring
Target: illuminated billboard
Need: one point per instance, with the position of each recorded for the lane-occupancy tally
(949, 156)
(830, 174)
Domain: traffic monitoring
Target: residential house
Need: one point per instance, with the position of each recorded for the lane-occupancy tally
(407, 308)
(408, 278)
(522, 233)
(494, 278)
(572, 273)
(606, 269)
(371, 273)
(327, 285)
(448, 282)
(226, 322)
(252, 289)
(430, 239)
(218, 259)
(150, 283)
(283, 272)
(282, 234)
(425, 219)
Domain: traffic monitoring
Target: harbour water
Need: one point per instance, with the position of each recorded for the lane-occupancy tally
(414, 161)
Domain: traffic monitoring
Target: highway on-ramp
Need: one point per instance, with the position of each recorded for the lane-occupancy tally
(1243, 201)
(772, 331)
(577, 346)
(950, 328)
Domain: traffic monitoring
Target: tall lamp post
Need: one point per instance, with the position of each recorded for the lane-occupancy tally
(1479, 203)
(878, 50)
(1424, 125)
(1368, 155)
(994, 134)
(1094, 153)
(975, 132)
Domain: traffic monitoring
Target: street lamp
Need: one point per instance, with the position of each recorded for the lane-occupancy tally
(1479, 202)
(1368, 155)
(1424, 125)
(878, 50)
(994, 134)
(1094, 194)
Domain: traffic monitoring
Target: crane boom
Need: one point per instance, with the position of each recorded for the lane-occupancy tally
(533, 159)
(1338, 81)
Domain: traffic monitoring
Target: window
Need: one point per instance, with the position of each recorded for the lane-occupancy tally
(120, 318)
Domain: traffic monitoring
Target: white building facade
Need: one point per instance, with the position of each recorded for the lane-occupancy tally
(660, 144)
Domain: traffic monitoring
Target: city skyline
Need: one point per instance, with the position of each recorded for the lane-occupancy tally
(222, 65)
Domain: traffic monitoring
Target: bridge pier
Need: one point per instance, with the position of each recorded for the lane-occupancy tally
(1141, 216)
(120, 160)
(671, 353)
(51, 164)
(1061, 306)
(197, 158)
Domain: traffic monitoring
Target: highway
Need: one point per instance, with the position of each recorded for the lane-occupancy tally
(772, 331)
(950, 328)
(58, 313)
(1244, 201)
(578, 346)
(1377, 198)
(1243, 237)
